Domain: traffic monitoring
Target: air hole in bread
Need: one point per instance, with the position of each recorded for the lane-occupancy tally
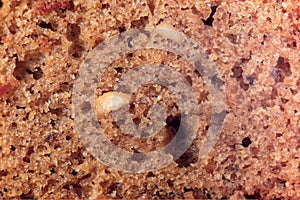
(189, 157)
(46, 25)
(76, 49)
(281, 70)
(140, 23)
(73, 32)
(209, 21)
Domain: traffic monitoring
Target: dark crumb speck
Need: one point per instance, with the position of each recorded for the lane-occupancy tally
(49, 138)
(12, 148)
(250, 79)
(246, 142)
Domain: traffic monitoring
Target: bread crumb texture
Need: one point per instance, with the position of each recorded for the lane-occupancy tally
(255, 46)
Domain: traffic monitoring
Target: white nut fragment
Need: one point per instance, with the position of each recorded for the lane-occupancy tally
(111, 101)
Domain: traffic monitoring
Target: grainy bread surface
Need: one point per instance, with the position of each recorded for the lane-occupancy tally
(255, 46)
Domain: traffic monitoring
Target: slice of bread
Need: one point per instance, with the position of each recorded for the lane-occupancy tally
(254, 46)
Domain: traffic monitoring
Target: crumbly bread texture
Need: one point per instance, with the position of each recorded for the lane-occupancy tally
(255, 46)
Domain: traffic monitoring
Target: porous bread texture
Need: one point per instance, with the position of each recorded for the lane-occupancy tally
(255, 46)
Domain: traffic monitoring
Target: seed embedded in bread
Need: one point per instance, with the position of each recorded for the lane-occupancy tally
(111, 101)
